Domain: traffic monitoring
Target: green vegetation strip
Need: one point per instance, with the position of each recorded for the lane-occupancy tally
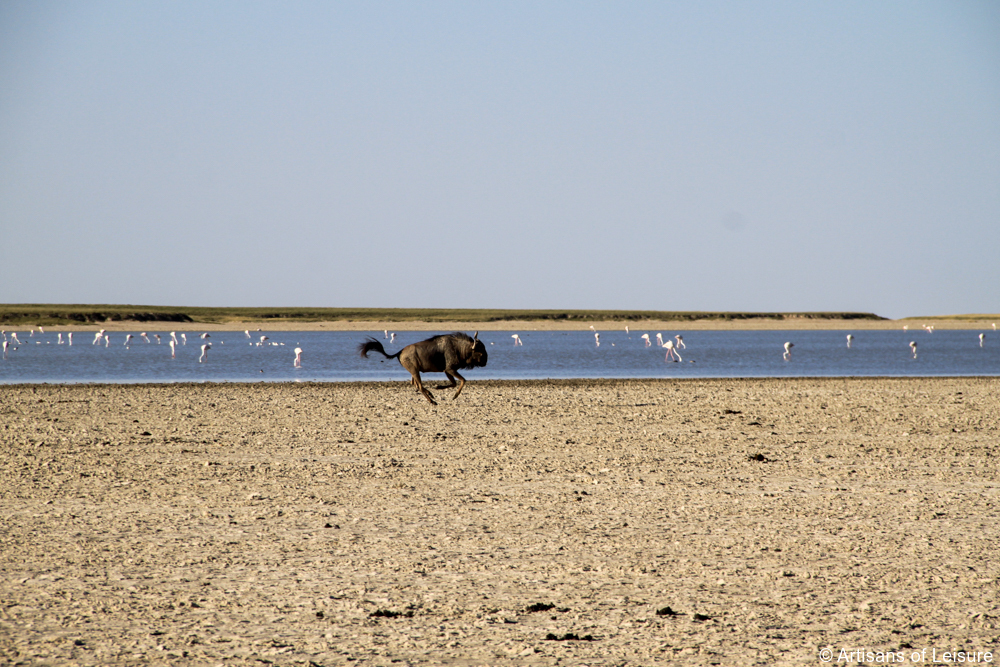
(48, 315)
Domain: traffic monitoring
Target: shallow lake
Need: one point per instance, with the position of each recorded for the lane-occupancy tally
(332, 356)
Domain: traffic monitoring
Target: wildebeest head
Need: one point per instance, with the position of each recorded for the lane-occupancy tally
(477, 354)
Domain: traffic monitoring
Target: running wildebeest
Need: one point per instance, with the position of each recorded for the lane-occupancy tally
(441, 354)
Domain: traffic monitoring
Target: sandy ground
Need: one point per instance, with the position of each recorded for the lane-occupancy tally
(731, 522)
(534, 325)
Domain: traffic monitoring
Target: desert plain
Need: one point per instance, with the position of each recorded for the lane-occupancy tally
(588, 522)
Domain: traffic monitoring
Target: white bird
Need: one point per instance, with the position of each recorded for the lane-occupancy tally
(981, 337)
(671, 353)
(184, 339)
(98, 336)
(173, 337)
(626, 328)
(850, 337)
(59, 336)
(392, 338)
(70, 336)
(788, 351)
(204, 352)
(680, 342)
(262, 339)
(144, 336)
(592, 328)
(385, 333)
(5, 344)
(247, 332)
(597, 338)
(517, 340)
(128, 337)
(107, 340)
(205, 336)
(13, 336)
(645, 337)
(157, 337)
(659, 340)
(298, 357)
(41, 329)
(173, 349)
(913, 346)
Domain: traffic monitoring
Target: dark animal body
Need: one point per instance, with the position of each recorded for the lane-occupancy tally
(446, 354)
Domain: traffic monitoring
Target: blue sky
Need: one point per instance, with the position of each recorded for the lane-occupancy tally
(732, 156)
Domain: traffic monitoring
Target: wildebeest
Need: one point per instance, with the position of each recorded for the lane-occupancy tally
(441, 354)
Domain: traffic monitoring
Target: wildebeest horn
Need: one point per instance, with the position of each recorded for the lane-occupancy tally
(476, 336)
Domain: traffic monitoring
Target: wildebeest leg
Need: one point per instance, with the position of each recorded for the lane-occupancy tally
(462, 383)
(447, 386)
(420, 387)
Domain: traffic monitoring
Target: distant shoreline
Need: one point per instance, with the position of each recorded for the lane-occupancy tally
(76, 317)
(521, 325)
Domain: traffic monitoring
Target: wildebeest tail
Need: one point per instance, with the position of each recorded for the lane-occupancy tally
(372, 345)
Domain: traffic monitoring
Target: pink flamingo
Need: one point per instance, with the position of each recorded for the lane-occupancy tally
(173, 349)
(70, 336)
(597, 338)
(680, 342)
(128, 337)
(298, 357)
(144, 336)
(645, 337)
(981, 337)
(517, 340)
(850, 338)
(913, 346)
(671, 353)
(788, 351)
(659, 340)
(204, 352)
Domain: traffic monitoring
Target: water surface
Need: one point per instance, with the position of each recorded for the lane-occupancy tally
(331, 356)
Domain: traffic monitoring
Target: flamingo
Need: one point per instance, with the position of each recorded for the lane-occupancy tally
(98, 336)
(392, 338)
(262, 339)
(788, 351)
(205, 336)
(5, 344)
(659, 340)
(385, 333)
(913, 346)
(173, 349)
(184, 339)
(671, 353)
(157, 337)
(298, 357)
(107, 340)
(994, 326)
(981, 337)
(905, 327)
(597, 338)
(41, 329)
(13, 336)
(204, 352)
(128, 337)
(59, 336)
(144, 336)
(626, 329)
(173, 337)
(680, 342)
(70, 336)
(645, 337)
(247, 332)
(850, 337)
(517, 340)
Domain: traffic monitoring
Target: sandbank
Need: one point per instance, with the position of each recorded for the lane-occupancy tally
(639, 522)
